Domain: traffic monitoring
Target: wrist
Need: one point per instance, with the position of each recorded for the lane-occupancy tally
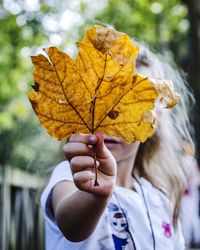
(104, 192)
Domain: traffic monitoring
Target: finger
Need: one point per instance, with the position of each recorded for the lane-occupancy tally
(83, 177)
(100, 149)
(72, 149)
(88, 139)
(81, 163)
(107, 162)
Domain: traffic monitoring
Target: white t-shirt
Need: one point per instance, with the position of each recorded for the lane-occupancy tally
(125, 223)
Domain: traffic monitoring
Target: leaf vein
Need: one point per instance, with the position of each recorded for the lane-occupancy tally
(61, 83)
(119, 101)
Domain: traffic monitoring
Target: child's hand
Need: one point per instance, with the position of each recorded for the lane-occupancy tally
(80, 152)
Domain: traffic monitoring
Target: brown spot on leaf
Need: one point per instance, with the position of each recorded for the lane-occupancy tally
(36, 86)
(113, 114)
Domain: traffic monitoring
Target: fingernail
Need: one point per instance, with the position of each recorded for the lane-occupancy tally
(92, 139)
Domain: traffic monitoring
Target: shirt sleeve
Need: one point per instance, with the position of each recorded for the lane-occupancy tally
(61, 172)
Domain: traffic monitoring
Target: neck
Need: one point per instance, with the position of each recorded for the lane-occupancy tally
(124, 173)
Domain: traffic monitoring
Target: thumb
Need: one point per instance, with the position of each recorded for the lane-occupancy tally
(107, 161)
(100, 149)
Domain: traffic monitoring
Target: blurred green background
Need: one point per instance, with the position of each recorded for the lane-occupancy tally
(27, 26)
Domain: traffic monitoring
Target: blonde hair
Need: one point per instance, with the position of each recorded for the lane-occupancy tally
(159, 158)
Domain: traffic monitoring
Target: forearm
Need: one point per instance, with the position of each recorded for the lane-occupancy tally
(78, 214)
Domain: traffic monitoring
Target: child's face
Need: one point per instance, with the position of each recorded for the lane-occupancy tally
(120, 149)
(119, 224)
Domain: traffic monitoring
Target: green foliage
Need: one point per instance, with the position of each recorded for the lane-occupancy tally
(21, 139)
(15, 69)
(24, 28)
(163, 24)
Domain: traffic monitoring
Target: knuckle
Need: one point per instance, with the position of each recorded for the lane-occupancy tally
(76, 149)
(74, 161)
(83, 138)
(67, 151)
(77, 138)
(81, 163)
(73, 137)
(65, 147)
(76, 164)
(79, 183)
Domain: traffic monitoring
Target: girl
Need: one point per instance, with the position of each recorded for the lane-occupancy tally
(137, 201)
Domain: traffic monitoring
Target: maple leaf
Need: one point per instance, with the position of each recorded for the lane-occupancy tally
(98, 92)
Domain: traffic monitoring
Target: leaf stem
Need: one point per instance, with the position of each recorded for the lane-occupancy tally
(95, 167)
(92, 111)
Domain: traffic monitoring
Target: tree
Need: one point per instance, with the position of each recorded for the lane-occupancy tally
(163, 24)
(194, 60)
(21, 139)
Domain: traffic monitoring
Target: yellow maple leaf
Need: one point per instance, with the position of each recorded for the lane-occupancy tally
(98, 92)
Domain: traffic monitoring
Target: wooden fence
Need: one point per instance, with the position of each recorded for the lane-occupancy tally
(21, 221)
